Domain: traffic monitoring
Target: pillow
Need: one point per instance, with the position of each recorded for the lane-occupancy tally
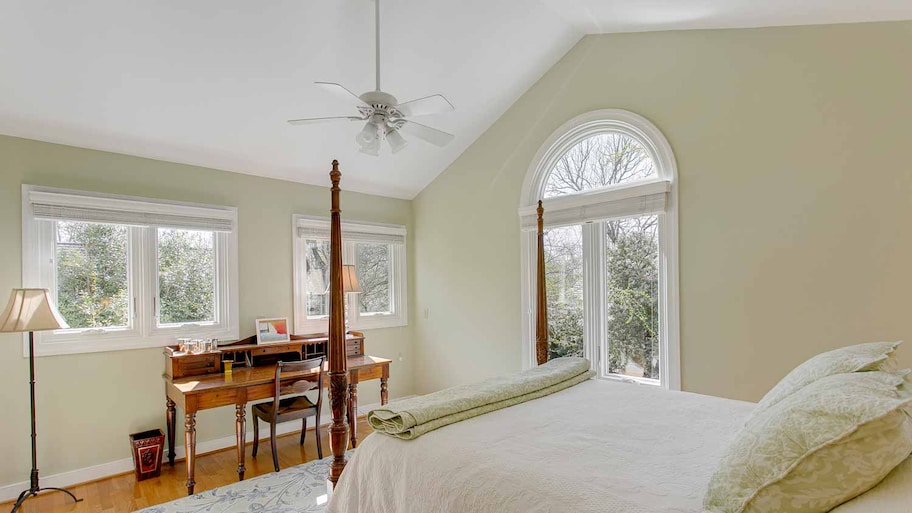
(873, 356)
(892, 495)
(817, 448)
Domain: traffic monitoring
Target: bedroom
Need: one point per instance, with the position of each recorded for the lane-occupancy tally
(789, 143)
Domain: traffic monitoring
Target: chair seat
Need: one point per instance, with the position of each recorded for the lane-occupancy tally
(287, 407)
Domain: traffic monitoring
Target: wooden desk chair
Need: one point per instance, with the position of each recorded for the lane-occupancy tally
(289, 403)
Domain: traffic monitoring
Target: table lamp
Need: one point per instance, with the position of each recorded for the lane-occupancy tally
(31, 310)
(350, 285)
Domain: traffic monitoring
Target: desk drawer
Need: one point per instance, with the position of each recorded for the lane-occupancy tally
(276, 349)
(354, 348)
(373, 372)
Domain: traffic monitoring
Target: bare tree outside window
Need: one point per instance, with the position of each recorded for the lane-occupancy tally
(631, 260)
(92, 283)
(373, 267)
(316, 260)
(599, 161)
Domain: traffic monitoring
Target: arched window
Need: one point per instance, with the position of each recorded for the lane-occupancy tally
(608, 183)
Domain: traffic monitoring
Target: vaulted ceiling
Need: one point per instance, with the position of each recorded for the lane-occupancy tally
(211, 82)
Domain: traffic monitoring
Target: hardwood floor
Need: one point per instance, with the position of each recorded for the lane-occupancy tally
(122, 494)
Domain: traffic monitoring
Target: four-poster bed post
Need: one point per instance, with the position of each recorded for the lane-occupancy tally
(541, 301)
(338, 373)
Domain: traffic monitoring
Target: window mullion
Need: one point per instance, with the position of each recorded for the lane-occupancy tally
(143, 269)
(593, 293)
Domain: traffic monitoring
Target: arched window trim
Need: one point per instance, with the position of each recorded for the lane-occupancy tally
(561, 141)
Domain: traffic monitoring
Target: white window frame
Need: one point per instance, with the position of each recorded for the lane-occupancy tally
(590, 208)
(398, 280)
(38, 270)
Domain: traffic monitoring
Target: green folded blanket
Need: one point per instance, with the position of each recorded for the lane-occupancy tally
(411, 418)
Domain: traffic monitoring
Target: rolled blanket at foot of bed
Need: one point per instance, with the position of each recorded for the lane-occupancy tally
(411, 418)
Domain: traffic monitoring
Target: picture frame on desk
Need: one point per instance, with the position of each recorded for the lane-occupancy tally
(272, 330)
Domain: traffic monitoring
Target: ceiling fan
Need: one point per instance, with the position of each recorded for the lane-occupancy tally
(384, 116)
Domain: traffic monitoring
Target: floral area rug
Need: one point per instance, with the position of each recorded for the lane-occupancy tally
(299, 489)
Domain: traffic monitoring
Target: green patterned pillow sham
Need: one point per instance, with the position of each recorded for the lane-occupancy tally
(823, 445)
(873, 356)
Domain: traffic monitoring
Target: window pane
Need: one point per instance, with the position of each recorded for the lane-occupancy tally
(599, 161)
(564, 281)
(316, 260)
(92, 284)
(373, 266)
(186, 276)
(632, 268)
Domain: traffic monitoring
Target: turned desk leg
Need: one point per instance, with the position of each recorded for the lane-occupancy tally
(190, 445)
(240, 411)
(171, 420)
(353, 412)
(384, 391)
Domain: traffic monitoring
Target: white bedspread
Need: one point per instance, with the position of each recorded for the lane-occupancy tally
(600, 446)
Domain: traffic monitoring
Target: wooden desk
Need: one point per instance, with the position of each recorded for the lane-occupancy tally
(195, 393)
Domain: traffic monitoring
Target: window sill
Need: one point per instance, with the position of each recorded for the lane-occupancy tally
(379, 323)
(98, 343)
(631, 379)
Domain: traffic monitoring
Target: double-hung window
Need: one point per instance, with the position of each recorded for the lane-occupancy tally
(130, 272)
(607, 182)
(377, 252)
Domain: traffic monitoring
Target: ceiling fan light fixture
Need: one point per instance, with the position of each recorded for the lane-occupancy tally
(395, 140)
(370, 142)
(372, 149)
(384, 114)
(368, 134)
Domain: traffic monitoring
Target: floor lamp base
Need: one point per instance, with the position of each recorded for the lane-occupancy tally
(32, 492)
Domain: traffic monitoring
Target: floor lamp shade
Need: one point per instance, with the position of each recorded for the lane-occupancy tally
(30, 310)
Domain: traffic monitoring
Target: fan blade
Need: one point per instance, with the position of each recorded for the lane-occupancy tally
(340, 92)
(307, 121)
(434, 104)
(431, 135)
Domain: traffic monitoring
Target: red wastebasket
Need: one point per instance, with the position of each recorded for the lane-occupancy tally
(148, 449)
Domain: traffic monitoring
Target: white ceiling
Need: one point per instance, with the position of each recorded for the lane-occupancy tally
(211, 82)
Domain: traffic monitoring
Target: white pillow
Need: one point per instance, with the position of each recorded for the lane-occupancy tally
(892, 495)
(825, 444)
(873, 356)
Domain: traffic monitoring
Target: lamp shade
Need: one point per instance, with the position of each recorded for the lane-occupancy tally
(350, 279)
(30, 310)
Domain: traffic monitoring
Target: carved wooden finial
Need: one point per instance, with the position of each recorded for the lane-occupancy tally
(540, 209)
(335, 175)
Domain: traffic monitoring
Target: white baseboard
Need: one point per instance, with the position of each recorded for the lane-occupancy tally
(83, 475)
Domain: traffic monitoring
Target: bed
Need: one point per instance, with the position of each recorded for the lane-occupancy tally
(636, 449)
(599, 446)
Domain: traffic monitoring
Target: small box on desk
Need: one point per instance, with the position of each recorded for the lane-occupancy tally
(180, 365)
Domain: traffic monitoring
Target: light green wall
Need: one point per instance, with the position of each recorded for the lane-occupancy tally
(795, 214)
(89, 403)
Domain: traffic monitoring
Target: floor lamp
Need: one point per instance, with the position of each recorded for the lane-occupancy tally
(31, 310)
